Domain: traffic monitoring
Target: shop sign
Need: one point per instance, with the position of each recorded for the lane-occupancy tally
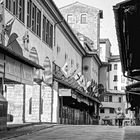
(27, 74)
(64, 92)
(17, 71)
(1, 63)
(13, 69)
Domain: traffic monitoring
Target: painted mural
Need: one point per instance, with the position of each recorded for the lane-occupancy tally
(47, 73)
(33, 55)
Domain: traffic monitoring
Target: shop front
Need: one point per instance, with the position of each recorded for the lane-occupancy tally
(14, 69)
(133, 97)
(75, 105)
(127, 28)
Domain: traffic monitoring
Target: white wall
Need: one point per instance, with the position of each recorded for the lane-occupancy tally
(66, 47)
(120, 83)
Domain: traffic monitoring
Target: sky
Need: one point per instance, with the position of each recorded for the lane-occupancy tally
(108, 29)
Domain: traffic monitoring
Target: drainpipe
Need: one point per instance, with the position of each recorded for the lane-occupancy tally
(52, 102)
(40, 103)
(24, 91)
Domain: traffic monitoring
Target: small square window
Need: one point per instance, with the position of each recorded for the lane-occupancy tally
(115, 66)
(115, 88)
(83, 18)
(120, 99)
(70, 18)
(115, 78)
(111, 110)
(105, 98)
(110, 98)
(102, 110)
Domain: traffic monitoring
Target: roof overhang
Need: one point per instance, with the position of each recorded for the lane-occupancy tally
(105, 64)
(133, 88)
(127, 16)
(12, 54)
(95, 56)
(62, 23)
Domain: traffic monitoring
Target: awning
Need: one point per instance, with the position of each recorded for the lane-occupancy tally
(127, 28)
(133, 92)
(12, 54)
(134, 85)
(133, 88)
(70, 83)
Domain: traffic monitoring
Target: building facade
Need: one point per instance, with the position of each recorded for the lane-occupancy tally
(115, 92)
(84, 19)
(16, 68)
(30, 37)
(110, 102)
(128, 49)
(57, 93)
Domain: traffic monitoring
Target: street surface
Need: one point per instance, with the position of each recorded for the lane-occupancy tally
(76, 132)
(72, 132)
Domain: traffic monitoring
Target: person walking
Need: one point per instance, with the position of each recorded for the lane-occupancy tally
(120, 117)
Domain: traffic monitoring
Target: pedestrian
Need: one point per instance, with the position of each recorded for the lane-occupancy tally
(120, 116)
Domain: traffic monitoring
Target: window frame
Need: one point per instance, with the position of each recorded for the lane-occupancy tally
(111, 110)
(115, 66)
(47, 32)
(105, 98)
(83, 19)
(34, 18)
(29, 11)
(38, 23)
(120, 99)
(110, 99)
(17, 8)
(70, 18)
(115, 78)
(102, 110)
(115, 88)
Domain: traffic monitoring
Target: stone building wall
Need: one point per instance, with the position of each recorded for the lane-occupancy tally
(91, 28)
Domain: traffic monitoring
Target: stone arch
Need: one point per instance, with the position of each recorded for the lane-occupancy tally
(47, 73)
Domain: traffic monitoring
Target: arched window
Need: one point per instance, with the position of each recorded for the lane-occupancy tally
(83, 18)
